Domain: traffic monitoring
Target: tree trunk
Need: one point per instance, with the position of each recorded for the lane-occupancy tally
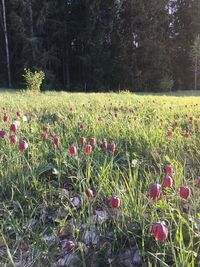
(195, 73)
(132, 53)
(67, 70)
(6, 44)
(66, 59)
(31, 31)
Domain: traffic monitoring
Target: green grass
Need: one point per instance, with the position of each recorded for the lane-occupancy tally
(37, 215)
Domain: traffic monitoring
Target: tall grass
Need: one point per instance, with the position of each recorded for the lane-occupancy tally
(43, 200)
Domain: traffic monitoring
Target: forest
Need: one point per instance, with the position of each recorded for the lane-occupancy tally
(98, 45)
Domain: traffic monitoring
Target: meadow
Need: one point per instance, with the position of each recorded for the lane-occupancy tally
(99, 180)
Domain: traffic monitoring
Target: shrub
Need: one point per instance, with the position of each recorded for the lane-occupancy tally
(166, 84)
(33, 80)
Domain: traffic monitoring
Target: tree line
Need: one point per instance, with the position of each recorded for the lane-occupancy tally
(139, 45)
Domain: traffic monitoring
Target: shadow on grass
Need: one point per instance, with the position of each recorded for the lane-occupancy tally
(9, 90)
(187, 93)
(174, 93)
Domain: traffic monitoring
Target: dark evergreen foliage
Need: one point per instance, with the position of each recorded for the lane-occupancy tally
(101, 45)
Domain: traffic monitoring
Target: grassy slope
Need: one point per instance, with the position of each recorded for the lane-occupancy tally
(31, 203)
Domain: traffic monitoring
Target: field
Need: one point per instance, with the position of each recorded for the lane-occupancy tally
(64, 203)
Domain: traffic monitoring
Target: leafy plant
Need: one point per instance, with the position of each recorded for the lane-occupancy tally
(33, 80)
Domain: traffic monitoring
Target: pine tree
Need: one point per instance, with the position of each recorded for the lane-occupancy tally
(102, 45)
(145, 49)
(185, 27)
(4, 28)
(195, 57)
(152, 29)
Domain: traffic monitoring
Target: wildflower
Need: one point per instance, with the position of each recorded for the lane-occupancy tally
(56, 141)
(23, 145)
(69, 245)
(92, 141)
(13, 127)
(114, 202)
(44, 136)
(170, 133)
(169, 169)
(72, 151)
(82, 140)
(168, 181)
(13, 139)
(112, 148)
(5, 117)
(88, 149)
(155, 191)
(89, 193)
(2, 134)
(160, 231)
(184, 192)
(104, 145)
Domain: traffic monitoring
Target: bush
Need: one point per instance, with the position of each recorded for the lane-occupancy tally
(33, 80)
(166, 84)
